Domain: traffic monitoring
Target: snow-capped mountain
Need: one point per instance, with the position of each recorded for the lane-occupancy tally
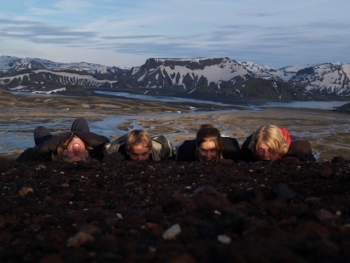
(10, 64)
(268, 72)
(325, 78)
(220, 76)
(187, 74)
(40, 75)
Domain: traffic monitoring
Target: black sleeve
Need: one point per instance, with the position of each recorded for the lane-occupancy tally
(231, 149)
(92, 139)
(302, 150)
(31, 154)
(186, 151)
(247, 154)
(43, 152)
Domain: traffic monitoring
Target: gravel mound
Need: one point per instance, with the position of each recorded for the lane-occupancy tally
(169, 211)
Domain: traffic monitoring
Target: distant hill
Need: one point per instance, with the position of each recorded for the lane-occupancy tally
(192, 77)
(344, 108)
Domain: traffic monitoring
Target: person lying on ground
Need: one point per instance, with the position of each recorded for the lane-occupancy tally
(208, 146)
(138, 145)
(77, 145)
(271, 143)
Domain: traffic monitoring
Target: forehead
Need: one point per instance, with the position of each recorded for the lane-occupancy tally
(139, 149)
(263, 145)
(208, 145)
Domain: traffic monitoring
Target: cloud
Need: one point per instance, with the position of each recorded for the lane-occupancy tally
(265, 32)
(38, 32)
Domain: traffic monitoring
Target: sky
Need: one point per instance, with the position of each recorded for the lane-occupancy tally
(126, 33)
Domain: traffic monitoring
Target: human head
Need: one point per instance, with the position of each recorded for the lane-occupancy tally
(73, 150)
(268, 143)
(138, 145)
(208, 143)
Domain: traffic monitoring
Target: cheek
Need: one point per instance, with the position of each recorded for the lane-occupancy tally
(133, 158)
(212, 155)
(201, 153)
(260, 154)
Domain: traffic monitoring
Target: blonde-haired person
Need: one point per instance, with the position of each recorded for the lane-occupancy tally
(138, 145)
(208, 146)
(271, 143)
(78, 145)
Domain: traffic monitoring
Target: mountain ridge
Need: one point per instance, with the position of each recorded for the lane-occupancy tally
(225, 76)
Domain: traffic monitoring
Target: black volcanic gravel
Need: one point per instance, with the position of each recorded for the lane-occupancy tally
(285, 211)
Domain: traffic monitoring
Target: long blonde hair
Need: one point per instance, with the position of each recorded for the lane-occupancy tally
(272, 136)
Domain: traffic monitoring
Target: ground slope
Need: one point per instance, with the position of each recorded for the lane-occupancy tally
(285, 211)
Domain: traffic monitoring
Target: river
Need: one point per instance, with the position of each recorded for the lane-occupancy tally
(20, 136)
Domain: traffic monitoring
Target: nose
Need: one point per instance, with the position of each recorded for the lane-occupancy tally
(208, 155)
(76, 147)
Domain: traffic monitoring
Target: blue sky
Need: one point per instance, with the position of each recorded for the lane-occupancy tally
(125, 33)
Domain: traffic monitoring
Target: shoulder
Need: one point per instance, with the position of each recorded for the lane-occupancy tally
(301, 149)
(231, 149)
(186, 151)
(162, 148)
(117, 145)
(229, 141)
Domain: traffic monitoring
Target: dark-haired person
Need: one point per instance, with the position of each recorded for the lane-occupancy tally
(138, 145)
(208, 146)
(271, 143)
(78, 145)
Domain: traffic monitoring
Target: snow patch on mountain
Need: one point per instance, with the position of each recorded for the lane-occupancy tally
(179, 73)
(178, 69)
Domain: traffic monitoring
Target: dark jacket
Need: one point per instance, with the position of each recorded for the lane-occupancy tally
(186, 152)
(44, 151)
(299, 148)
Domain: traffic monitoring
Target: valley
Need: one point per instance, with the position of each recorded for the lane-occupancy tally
(327, 130)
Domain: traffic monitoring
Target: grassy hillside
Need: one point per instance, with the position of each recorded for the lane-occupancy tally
(7, 99)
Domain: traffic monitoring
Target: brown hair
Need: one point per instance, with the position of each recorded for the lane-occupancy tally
(59, 155)
(208, 132)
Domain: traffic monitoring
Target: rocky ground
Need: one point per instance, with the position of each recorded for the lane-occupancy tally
(170, 211)
(285, 211)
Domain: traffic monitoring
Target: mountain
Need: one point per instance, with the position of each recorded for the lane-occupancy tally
(187, 74)
(190, 77)
(325, 78)
(10, 64)
(268, 72)
(40, 75)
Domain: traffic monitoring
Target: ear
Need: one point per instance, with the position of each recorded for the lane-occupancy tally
(87, 152)
(150, 150)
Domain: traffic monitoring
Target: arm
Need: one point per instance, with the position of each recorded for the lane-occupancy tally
(43, 152)
(231, 149)
(186, 151)
(163, 149)
(302, 150)
(246, 153)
